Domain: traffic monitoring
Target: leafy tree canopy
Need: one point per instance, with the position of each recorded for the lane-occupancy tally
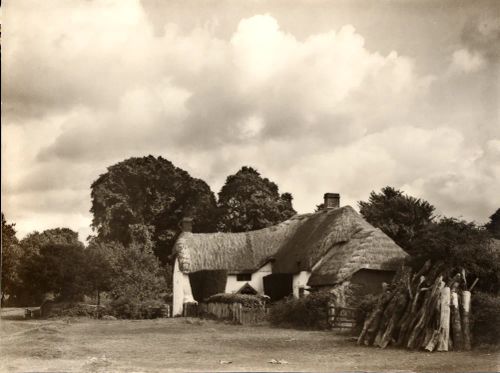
(493, 226)
(11, 258)
(460, 244)
(34, 241)
(399, 216)
(136, 273)
(153, 193)
(52, 261)
(248, 201)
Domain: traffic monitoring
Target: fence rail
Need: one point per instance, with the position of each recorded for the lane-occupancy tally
(343, 318)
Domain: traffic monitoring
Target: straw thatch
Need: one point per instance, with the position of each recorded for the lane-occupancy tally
(332, 244)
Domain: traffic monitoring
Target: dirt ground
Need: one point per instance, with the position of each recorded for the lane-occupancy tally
(85, 345)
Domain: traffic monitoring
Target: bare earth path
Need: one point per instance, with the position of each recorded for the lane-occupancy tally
(84, 345)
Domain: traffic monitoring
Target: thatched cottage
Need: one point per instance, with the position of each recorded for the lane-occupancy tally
(323, 249)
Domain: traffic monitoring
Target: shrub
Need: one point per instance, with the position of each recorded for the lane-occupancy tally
(485, 318)
(309, 312)
(129, 308)
(247, 300)
(206, 283)
(68, 309)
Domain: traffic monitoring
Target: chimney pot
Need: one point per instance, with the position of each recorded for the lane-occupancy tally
(331, 201)
(187, 224)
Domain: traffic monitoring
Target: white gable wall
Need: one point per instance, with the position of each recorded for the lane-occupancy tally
(182, 290)
(257, 281)
(300, 281)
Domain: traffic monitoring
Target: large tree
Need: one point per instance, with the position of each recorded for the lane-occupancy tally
(248, 201)
(11, 258)
(153, 193)
(400, 216)
(52, 261)
(493, 226)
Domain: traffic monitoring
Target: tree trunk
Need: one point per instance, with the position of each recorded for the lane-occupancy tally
(465, 319)
(456, 325)
(444, 320)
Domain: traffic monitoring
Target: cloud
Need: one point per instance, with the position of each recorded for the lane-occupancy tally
(92, 83)
(465, 61)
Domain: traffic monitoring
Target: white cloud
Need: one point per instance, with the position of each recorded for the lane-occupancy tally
(466, 61)
(90, 83)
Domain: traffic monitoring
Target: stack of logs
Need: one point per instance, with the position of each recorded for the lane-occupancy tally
(418, 310)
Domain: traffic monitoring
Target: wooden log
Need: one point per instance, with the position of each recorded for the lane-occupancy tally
(427, 311)
(370, 326)
(394, 308)
(456, 325)
(401, 301)
(465, 307)
(419, 306)
(414, 292)
(433, 341)
(444, 320)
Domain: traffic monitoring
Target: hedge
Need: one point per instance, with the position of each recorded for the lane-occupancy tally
(309, 312)
(247, 300)
(485, 318)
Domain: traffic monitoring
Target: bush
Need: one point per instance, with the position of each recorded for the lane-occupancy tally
(67, 309)
(485, 318)
(207, 283)
(247, 300)
(129, 308)
(309, 312)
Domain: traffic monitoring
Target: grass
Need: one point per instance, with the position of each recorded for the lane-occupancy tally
(85, 345)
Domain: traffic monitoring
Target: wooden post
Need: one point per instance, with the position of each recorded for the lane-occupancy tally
(456, 325)
(444, 321)
(465, 319)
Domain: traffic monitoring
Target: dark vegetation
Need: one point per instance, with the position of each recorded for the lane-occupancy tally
(246, 300)
(309, 312)
(485, 318)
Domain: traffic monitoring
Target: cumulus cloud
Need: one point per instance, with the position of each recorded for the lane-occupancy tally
(463, 60)
(92, 83)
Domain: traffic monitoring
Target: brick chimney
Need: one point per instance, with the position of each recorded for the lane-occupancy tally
(331, 201)
(187, 224)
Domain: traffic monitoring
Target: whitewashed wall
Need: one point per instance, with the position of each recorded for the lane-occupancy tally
(182, 290)
(257, 282)
(300, 280)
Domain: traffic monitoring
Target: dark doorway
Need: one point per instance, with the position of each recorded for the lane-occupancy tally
(278, 285)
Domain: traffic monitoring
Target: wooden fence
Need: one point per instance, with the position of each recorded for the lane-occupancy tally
(342, 318)
(234, 312)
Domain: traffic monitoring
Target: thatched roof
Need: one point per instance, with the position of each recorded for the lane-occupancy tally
(333, 244)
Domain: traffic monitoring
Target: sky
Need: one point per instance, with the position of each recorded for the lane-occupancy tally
(319, 96)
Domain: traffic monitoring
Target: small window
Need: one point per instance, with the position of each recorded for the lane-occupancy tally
(244, 277)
